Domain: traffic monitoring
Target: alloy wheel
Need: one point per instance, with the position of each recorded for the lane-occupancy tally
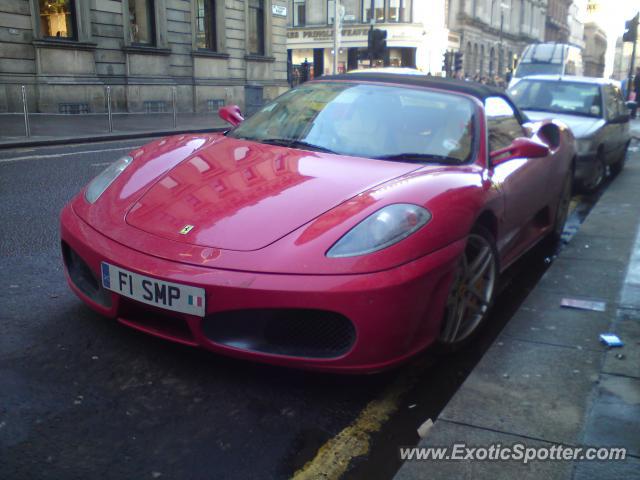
(471, 291)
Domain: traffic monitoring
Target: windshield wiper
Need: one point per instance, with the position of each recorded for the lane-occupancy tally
(421, 157)
(293, 143)
(283, 142)
(309, 146)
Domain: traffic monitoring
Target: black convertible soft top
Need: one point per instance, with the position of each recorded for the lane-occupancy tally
(470, 88)
(474, 89)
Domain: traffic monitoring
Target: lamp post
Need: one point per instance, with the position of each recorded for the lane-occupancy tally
(503, 7)
(338, 13)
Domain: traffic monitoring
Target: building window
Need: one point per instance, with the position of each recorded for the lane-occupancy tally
(373, 9)
(367, 11)
(57, 19)
(142, 22)
(299, 13)
(351, 8)
(405, 11)
(378, 6)
(206, 25)
(394, 10)
(256, 27)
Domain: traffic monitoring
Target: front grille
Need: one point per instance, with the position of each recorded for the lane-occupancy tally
(291, 332)
(83, 277)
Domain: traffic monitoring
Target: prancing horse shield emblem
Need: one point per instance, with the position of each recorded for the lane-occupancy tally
(186, 229)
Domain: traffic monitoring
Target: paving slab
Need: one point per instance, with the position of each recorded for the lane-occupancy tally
(594, 278)
(627, 469)
(626, 360)
(539, 299)
(612, 223)
(542, 319)
(446, 434)
(614, 420)
(598, 247)
(530, 389)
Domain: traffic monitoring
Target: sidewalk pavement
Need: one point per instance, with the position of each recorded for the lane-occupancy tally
(547, 379)
(50, 129)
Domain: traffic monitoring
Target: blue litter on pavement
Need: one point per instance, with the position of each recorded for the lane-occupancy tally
(611, 340)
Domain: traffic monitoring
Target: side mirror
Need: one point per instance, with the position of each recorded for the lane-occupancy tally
(231, 114)
(520, 148)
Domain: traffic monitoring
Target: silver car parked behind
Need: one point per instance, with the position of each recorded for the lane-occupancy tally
(594, 110)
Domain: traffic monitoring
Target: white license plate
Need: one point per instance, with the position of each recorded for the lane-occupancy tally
(170, 296)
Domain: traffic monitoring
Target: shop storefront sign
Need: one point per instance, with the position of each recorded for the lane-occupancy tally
(325, 34)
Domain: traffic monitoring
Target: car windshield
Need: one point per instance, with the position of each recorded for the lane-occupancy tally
(386, 122)
(572, 98)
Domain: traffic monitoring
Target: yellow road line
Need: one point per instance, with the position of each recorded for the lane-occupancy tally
(334, 457)
(573, 204)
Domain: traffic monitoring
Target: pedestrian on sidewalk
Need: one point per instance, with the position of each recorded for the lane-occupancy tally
(636, 89)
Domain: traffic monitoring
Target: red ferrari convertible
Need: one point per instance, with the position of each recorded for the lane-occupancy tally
(346, 226)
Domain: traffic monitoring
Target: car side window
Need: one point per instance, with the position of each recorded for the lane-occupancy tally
(610, 103)
(502, 124)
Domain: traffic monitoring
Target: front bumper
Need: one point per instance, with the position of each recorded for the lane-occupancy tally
(393, 313)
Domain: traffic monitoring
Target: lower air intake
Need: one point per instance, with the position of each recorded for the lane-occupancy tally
(292, 332)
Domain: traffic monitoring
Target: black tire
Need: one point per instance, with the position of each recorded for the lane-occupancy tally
(562, 212)
(594, 184)
(459, 327)
(618, 165)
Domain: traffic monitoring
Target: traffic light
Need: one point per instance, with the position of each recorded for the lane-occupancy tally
(446, 63)
(631, 29)
(377, 42)
(457, 63)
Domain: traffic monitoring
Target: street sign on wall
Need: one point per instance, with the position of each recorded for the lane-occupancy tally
(279, 10)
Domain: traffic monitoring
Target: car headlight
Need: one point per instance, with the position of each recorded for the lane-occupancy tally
(99, 184)
(380, 230)
(583, 146)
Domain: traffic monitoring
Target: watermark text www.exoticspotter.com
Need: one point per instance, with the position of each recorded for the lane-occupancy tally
(518, 452)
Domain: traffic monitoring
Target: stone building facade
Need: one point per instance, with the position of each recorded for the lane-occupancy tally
(622, 59)
(595, 40)
(557, 27)
(209, 52)
(577, 12)
(493, 33)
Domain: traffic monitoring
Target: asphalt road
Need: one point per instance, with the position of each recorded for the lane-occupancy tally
(85, 397)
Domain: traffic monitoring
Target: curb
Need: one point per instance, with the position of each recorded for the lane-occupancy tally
(47, 141)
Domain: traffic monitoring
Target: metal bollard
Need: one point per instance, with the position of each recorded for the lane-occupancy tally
(173, 101)
(25, 108)
(109, 116)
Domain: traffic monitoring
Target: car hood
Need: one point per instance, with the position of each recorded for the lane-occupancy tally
(580, 126)
(241, 195)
